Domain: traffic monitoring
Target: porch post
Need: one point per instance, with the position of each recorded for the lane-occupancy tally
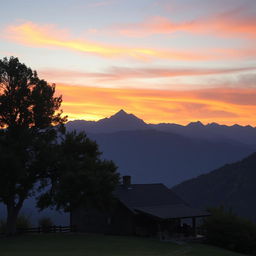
(194, 226)
(159, 231)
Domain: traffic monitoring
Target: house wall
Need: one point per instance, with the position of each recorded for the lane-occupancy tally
(117, 221)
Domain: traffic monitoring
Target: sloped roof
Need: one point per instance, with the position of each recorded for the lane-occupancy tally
(172, 211)
(155, 200)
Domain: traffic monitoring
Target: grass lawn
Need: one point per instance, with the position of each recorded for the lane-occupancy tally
(99, 245)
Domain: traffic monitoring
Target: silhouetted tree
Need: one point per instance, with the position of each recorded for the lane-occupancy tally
(79, 177)
(28, 113)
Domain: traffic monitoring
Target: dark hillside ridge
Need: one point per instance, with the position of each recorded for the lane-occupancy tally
(233, 186)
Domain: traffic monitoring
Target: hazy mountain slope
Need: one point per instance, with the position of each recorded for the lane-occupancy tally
(233, 185)
(153, 156)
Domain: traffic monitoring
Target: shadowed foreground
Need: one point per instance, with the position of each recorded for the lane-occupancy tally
(97, 245)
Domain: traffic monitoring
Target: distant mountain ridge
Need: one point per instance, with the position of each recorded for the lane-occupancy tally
(232, 185)
(167, 153)
(121, 121)
(212, 131)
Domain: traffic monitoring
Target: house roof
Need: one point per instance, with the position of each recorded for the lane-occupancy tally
(155, 200)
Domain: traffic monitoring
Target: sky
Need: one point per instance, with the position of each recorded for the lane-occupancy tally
(172, 61)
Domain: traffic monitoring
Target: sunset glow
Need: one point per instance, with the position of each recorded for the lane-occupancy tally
(162, 60)
(222, 105)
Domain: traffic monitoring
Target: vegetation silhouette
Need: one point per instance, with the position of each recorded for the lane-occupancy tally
(79, 177)
(28, 113)
(227, 230)
(31, 157)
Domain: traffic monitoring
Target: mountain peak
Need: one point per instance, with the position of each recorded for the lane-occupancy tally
(121, 113)
(195, 124)
(122, 121)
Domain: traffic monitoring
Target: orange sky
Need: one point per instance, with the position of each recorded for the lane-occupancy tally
(225, 106)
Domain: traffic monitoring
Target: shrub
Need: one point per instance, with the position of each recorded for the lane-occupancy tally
(225, 229)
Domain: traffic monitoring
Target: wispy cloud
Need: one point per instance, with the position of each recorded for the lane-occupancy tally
(234, 23)
(49, 36)
(124, 73)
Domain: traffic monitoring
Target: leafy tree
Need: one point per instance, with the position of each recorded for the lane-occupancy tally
(28, 113)
(79, 177)
(36, 154)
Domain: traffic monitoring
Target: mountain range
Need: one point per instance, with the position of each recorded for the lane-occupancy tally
(168, 153)
(122, 121)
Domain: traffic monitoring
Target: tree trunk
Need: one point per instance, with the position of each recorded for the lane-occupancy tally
(12, 215)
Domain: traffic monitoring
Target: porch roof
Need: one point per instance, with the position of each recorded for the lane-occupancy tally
(172, 211)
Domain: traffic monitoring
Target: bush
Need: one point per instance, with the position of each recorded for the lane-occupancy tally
(225, 229)
(45, 223)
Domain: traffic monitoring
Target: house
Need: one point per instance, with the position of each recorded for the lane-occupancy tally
(141, 209)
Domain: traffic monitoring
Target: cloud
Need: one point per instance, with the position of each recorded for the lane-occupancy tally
(51, 37)
(125, 73)
(226, 106)
(145, 73)
(234, 23)
(151, 26)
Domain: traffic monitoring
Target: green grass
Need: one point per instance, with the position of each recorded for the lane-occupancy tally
(99, 245)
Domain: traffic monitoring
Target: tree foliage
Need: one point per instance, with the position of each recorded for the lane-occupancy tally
(225, 229)
(26, 101)
(36, 154)
(28, 113)
(79, 177)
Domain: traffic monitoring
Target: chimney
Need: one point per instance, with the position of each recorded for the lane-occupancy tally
(127, 181)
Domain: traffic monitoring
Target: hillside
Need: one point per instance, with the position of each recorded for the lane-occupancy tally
(232, 185)
(151, 156)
